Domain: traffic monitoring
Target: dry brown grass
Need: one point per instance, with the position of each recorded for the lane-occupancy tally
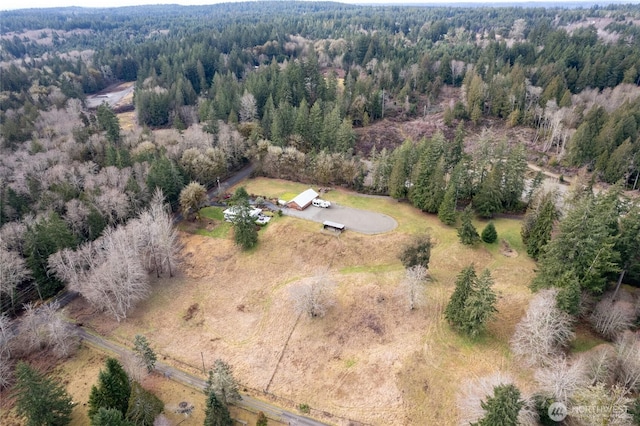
(368, 359)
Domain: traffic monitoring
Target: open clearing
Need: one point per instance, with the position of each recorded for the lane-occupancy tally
(369, 359)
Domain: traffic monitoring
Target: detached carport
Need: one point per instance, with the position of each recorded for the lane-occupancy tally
(336, 227)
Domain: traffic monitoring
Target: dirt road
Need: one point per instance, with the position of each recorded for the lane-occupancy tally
(247, 402)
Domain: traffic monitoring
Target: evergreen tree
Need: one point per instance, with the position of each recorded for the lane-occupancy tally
(244, 227)
(109, 417)
(144, 406)
(455, 151)
(108, 122)
(468, 233)
(447, 209)
(502, 408)
(222, 383)
(479, 306)
(164, 174)
(488, 200)
(43, 239)
(112, 391)
(455, 310)
(515, 167)
(40, 400)
(216, 413)
(143, 350)
(489, 234)
(428, 189)
(538, 223)
(584, 246)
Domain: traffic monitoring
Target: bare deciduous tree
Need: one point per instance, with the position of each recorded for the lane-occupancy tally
(611, 402)
(158, 240)
(611, 318)
(628, 361)
(412, 287)
(6, 334)
(162, 420)
(474, 392)
(120, 282)
(134, 366)
(12, 235)
(42, 327)
(561, 378)
(544, 331)
(599, 364)
(248, 108)
(314, 295)
(6, 371)
(13, 271)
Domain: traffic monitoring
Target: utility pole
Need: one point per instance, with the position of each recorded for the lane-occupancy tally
(218, 180)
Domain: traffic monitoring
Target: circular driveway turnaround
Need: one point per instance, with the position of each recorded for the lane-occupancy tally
(363, 221)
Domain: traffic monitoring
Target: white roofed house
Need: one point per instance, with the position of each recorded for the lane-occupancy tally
(303, 200)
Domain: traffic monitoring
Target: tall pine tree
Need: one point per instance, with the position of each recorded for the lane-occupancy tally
(112, 391)
(42, 401)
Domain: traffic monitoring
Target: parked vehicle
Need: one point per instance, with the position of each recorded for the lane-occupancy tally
(321, 203)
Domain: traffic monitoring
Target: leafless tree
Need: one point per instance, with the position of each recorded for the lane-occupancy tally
(611, 318)
(248, 109)
(76, 216)
(12, 236)
(32, 333)
(6, 371)
(162, 420)
(134, 366)
(43, 327)
(561, 378)
(314, 295)
(544, 332)
(628, 361)
(600, 364)
(611, 402)
(13, 271)
(412, 287)
(474, 392)
(6, 334)
(158, 240)
(117, 284)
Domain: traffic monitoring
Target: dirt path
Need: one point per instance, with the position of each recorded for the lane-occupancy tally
(248, 403)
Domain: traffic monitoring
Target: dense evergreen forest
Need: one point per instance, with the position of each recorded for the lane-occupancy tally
(288, 86)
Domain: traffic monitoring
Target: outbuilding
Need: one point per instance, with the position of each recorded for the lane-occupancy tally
(335, 227)
(303, 200)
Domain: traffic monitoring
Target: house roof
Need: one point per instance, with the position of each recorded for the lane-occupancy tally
(305, 197)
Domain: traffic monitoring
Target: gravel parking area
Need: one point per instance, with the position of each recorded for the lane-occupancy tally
(363, 221)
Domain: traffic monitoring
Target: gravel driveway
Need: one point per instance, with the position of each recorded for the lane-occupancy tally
(363, 221)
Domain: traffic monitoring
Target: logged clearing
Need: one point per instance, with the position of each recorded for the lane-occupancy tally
(369, 359)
